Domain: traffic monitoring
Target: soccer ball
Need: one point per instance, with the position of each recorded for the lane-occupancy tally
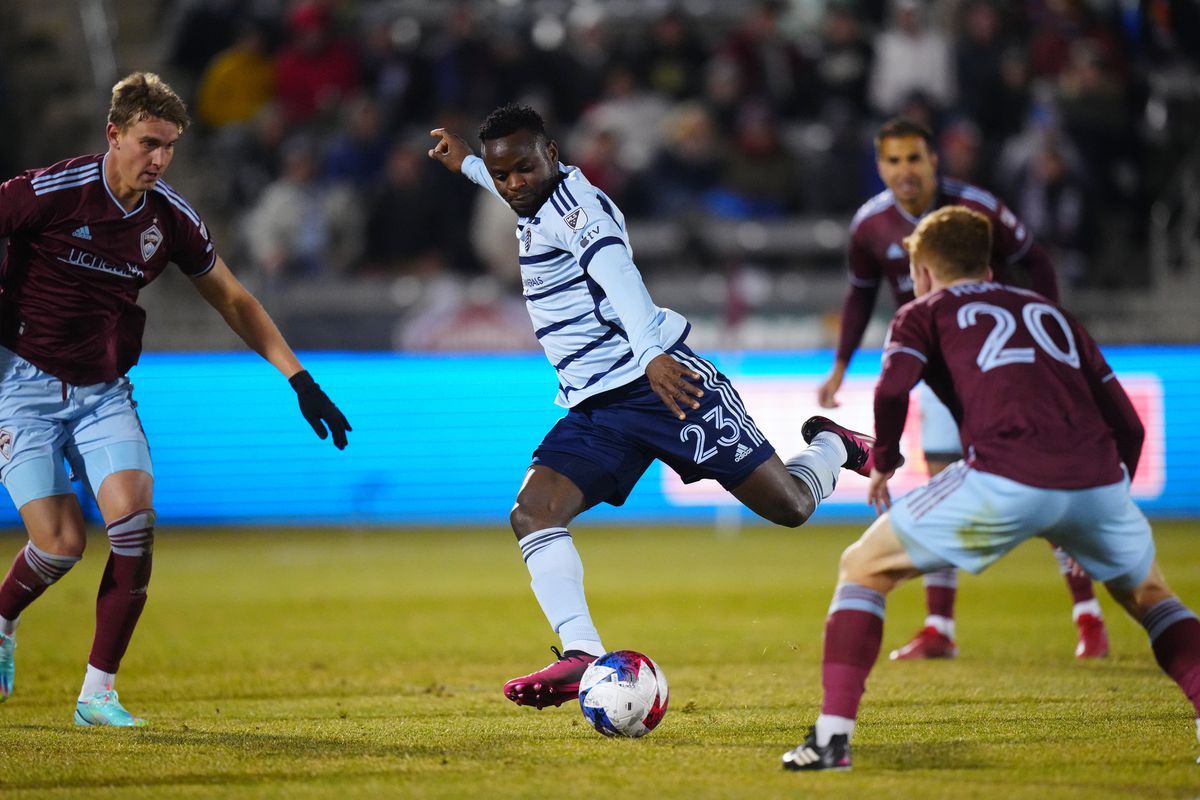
(623, 693)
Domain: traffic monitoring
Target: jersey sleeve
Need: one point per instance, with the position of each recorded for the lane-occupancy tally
(192, 248)
(906, 353)
(20, 208)
(592, 229)
(865, 276)
(474, 170)
(1115, 406)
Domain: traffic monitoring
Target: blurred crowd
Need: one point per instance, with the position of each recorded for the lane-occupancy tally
(317, 113)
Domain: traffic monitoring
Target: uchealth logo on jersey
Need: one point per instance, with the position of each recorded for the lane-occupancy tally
(151, 238)
(6, 443)
(575, 220)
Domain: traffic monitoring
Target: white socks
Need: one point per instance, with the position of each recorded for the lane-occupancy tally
(943, 625)
(817, 465)
(1091, 607)
(96, 681)
(556, 574)
(829, 726)
(9, 626)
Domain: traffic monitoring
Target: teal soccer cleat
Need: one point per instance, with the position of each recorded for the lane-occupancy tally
(8, 666)
(103, 708)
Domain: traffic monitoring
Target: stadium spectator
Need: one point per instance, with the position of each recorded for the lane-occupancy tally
(357, 148)
(393, 69)
(93, 231)
(909, 167)
(761, 177)
(979, 55)
(404, 231)
(300, 227)
(689, 164)
(630, 113)
(960, 147)
(844, 63)
(770, 67)
(627, 395)
(672, 64)
(316, 70)
(239, 80)
(1053, 198)
(910, 58)
(1054, 444)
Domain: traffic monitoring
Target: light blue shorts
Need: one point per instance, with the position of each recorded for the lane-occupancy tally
(939, 431)
(44, 421)
(969, 519)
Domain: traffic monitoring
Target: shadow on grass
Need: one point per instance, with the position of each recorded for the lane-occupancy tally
(907, 756)
(252, 750)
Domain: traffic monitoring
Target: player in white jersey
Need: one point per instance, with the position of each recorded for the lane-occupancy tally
(634, 391)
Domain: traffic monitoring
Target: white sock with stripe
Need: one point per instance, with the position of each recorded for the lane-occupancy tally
(817, 465)
(556, 573)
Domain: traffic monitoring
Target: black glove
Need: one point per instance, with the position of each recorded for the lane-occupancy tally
(319, 410)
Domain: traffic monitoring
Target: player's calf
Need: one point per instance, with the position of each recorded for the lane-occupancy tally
(33, 571)
(123, 587)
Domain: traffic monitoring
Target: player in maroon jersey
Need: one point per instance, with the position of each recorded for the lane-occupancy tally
(908, 166)
(1052, 442)
(85, 236)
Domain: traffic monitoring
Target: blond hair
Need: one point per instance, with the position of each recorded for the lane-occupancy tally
(143, 95)
(954, 241)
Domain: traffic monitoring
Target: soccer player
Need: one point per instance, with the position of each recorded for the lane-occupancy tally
(907, 165)
(1052, 441)
(85, 236)
(633, 389)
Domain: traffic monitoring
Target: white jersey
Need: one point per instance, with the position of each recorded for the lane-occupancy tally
(589, 307)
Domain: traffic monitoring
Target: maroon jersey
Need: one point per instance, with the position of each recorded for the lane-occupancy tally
(876, 253)
(76, 261)
(1034, 398)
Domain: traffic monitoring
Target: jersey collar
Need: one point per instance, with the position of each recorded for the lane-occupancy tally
(113, 197)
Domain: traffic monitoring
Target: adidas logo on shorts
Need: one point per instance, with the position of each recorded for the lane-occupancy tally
(742, 452)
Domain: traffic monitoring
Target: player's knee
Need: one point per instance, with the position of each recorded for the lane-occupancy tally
(133, 534)
(791, 516)
(527, 517)
(852, 567)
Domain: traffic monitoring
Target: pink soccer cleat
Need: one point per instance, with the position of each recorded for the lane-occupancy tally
(553, 684)
(1093, 637)
(858, 445)
(928, 643)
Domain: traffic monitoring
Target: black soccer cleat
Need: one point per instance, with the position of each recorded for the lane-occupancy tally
(808, 756)
(858, 445)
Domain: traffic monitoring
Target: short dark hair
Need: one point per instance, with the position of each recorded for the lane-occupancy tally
(954, 240)
(510, 118)
(901, 128)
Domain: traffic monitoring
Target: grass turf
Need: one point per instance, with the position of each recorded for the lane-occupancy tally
(361, 664)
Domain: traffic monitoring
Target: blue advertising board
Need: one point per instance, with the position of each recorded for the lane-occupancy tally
(445, 439)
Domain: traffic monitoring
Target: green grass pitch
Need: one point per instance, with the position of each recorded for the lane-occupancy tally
(300, 663)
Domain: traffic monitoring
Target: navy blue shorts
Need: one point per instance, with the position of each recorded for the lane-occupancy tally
(604, 444)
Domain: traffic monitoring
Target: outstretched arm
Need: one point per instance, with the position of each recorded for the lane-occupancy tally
(452, 152)
(249, 320)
